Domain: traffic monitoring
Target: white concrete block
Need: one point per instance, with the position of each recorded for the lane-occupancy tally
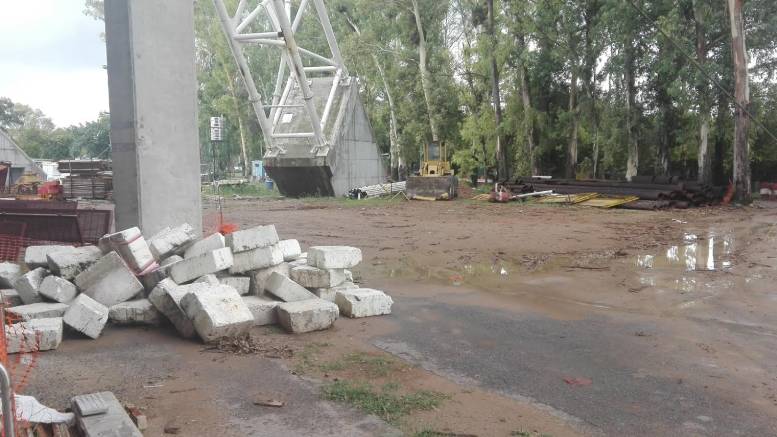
(247, 239)
(307, 315)
(363, 302)
(298, 262)
(264, 310)
(34, 335)
(37, 256)
(166, 298)
(242, 284)
(109, 281)
(40, 310)
(259, 277)
(334, 257)
(205, 245)
(330, 293)
(210, 279)
(10, 298)
(69, 264)
(133, 249)
(28, 285)
(140, 311)
(152, 278)
(170, 241)
(287, 290)
(290, 249)
(9, 273)
(86, 316)
(313, 277)
(216, 311)
(192, 268)
(255, 259)
(57, 289)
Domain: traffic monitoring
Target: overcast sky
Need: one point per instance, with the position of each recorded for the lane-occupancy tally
(52, 58)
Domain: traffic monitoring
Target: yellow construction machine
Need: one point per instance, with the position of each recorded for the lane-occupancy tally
(435, 180)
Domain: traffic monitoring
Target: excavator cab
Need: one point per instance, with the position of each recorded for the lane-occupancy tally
(435, 180)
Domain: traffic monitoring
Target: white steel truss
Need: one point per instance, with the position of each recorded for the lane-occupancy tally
(236, 28)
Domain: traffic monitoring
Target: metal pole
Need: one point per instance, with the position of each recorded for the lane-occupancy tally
(7, 398)
(330, 35)
(297, 69)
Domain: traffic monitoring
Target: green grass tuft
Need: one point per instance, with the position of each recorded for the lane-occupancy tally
(386, 404)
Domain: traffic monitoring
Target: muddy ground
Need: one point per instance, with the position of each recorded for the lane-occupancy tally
(518, 319)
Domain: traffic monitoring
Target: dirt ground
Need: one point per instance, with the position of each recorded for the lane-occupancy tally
(524, 319)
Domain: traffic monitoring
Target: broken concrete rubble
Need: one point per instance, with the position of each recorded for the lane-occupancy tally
(192, 268)
(242, 284)
(57, 289)
(28, 285)
(216, 311)
(255, 259)
(37, 256)
(166, 298)
(307, 315)
(290, 249)
(330, 293)
(334, 257)
(152, 278)
(247, 239)
(69, 264)
(109, 281)
(113, 422)
(208, 279)
(259, 277)
(9, 273)
(133, 248)
(86, 316)
(207, 244)
(313, 277)
(139, 311)
(363, 302)
(287, 290)
(34, 335)
(10, 298)
(263, 309)
(170, 241)
(39, 310)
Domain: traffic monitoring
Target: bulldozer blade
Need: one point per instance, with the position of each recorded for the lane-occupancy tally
(432, 187)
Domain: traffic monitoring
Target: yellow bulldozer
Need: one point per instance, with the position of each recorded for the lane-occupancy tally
(435, 179)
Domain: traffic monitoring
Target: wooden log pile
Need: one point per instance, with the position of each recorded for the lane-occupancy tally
(87, 179)
(654, 193)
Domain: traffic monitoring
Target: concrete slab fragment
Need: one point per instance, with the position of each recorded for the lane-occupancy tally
(330, 293)
(57, 289)
(216, 311)
(152, 278)
(192, 268)
(247, 239)
(114, 422)
(9, 273)
(307, 315)
(37, 256)
(40, 310)
(34, 335)
(259, 277)
(10, 298)
(207, 244)
(86, 316)
(334, 257)
(291, 249)
(363, 302)
(313, 277)
(138, 311)
(166, 298)
(28, 285)
(69, 264)
(208, 279)
(109, 281)
(171, 241)
(255, 259)
(89, 404)
(287, 290)
(242, 284)
(263, 309)
(133, 248)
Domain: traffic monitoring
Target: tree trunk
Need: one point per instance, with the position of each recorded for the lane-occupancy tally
(425, 85)
(632, 164)
(240, 125)
(502, 156)
(572, 143)
(528, 122)
(704, 156)
(742, 98)
(589, 70)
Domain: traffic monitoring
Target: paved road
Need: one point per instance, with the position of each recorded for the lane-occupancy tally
(528, 356)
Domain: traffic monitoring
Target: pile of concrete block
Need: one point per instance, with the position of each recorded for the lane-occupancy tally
(211, 287)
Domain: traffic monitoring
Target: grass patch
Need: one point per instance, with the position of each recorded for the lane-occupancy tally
(307, 357)
(375, 366)
(386, 403)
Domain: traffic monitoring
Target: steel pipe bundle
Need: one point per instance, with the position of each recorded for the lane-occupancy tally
(377, 190)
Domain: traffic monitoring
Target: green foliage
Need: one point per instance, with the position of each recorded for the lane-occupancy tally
(384, 403)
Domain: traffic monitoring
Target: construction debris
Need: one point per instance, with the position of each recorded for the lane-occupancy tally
(105, 416)
(378, 190)
(87, 179)
(219, 289)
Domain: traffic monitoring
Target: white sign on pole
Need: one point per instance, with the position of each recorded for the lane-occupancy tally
(216, 128)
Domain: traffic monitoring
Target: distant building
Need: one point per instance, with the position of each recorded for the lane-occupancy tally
(51, 168)
(20, 163)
